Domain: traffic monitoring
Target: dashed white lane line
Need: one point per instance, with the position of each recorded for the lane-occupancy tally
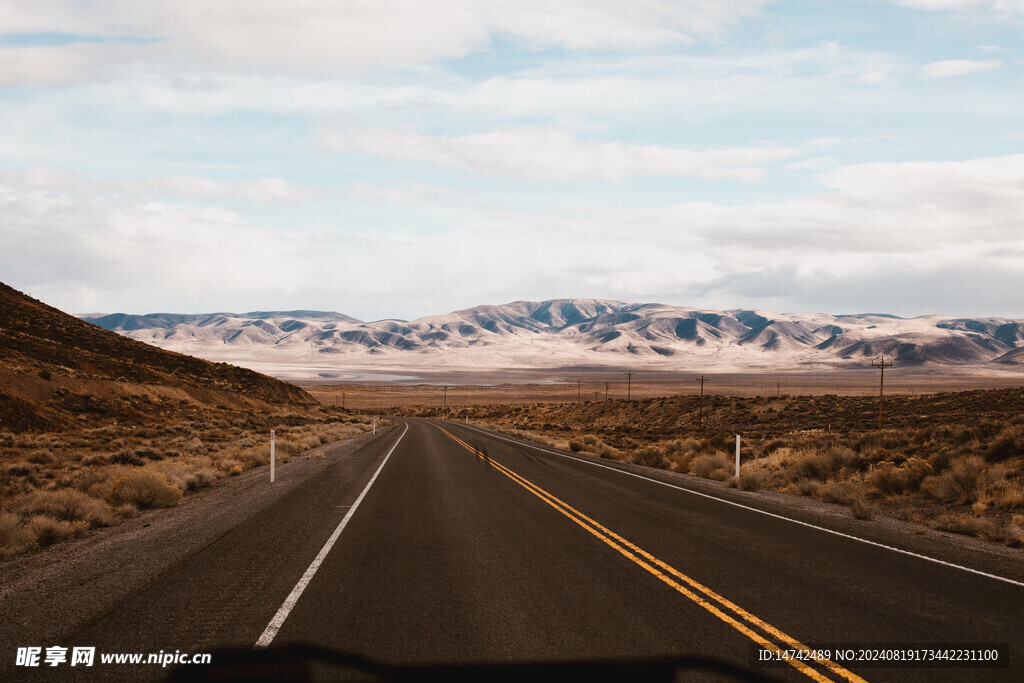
(286, 607)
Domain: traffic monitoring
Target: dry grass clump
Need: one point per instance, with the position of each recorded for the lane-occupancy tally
(839, 492)
(967, 524)
(888, 478)
(69, 505)
(965, 481)
(827, 465)
(711, 466)
(185, 477)
(1013, 532)
(805, 487)
(15, 539)
(48, 530)
(650, 456)
(1006, 494)
(1007, 444)
(603, 450)
(145, 489)
(863, 509)
(751, 479)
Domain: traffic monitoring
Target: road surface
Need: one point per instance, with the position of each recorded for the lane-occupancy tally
(438, 543)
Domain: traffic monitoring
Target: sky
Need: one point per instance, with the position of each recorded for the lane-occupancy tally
(396, 158)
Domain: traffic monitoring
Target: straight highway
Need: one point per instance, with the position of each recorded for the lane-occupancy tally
(441, 544)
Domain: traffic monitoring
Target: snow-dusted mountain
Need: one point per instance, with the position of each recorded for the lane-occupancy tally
(565, 332)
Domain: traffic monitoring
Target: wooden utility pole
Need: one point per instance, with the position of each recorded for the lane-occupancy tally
(343, 400)
(629, 381)
(579, 391)
(702, 379)
(881, 364)
(444, 404)
(606, 390)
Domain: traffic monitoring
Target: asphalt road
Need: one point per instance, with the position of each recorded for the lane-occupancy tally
(468, 548)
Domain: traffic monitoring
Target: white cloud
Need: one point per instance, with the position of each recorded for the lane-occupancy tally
(950, 68)
(814, 164)
(998, 6)
(413, 194)
(323, 36)
(52, 181)
(554, 155)
(895, 237)
(59, 65)
(268, 190)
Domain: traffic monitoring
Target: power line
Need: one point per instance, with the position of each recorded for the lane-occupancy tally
(629, 379)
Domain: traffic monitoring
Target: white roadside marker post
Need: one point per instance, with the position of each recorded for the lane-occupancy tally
(375, 426)
(272, 458)
(737, 456)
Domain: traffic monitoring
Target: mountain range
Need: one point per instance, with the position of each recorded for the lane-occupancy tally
(574, 332)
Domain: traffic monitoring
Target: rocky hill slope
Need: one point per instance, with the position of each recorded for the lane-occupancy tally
(57, 372)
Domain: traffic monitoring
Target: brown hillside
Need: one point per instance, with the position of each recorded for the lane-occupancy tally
(58, 372)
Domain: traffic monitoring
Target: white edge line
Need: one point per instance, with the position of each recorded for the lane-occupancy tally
(286, 607)
(753, 509)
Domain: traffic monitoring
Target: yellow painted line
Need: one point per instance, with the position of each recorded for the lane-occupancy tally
(661, 570)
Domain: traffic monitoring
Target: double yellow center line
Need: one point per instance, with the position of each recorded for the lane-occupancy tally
(731, 614)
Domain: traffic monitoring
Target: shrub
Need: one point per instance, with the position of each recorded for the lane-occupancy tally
(752, 479)
(96, 460)
(145, 489)
(68, 505)
(186, 478)
(126, 510)
(125, 457)
(42, 456)
(575, 446)
(22, 469)
(48, 530)
(824, 466)
(711, 466)
(149, 454)
(807, 487)
(863, 509)
(967, 525)
(1009, 494)
(837, 492)
(1009, 443)
(15, 539)
(651, 456)
(1013, 532)
(888, 479)
(964, 482)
